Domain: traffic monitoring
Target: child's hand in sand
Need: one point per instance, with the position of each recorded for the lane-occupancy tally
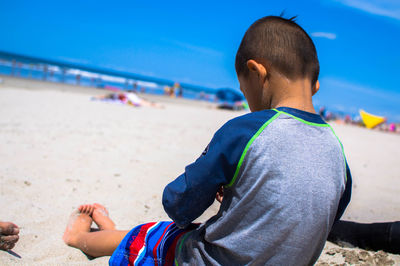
(220, 194)
(8, 235)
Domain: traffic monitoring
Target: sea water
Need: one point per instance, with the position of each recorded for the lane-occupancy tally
(54, 74)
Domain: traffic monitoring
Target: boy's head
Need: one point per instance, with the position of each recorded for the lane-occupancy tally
(273, 53)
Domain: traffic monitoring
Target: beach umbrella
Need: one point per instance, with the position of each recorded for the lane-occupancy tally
(370, 120)
(229, 95)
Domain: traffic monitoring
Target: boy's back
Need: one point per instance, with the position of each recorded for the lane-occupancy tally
(281, 203)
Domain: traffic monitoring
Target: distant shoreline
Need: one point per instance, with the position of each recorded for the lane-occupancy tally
(34, 84)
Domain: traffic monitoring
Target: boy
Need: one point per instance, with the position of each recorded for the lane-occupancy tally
(279, 172)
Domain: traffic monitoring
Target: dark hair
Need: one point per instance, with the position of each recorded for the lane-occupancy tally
(283, 45)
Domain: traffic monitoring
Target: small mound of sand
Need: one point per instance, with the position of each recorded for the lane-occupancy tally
(336, 255)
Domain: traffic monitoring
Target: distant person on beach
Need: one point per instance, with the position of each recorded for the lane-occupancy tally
(322, 112)
(78, 79)
(279, 172)
(130, 98)
(180, 92)
(8, 235)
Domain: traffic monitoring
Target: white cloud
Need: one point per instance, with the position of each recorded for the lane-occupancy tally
(327, 35)
(386, 8)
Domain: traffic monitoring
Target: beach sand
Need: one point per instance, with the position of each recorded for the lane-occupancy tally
(59, 149)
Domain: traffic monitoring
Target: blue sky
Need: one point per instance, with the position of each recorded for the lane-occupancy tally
(195, 42)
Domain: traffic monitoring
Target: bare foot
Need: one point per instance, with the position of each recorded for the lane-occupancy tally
(86, 208)
(8, 235)
(79, 222)
(101, 218)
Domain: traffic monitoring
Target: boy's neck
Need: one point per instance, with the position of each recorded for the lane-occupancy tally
(296, 94)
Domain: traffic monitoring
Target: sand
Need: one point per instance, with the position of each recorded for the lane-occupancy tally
(58, 149)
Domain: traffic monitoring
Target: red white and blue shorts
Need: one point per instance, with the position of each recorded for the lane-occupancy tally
(149, 244)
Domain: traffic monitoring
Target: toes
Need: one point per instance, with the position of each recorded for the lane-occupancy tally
(90, 210)
(99, 206)
(82, 208)
(86, 209)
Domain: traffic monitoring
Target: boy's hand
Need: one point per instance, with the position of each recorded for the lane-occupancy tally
(220, 194)
(8, 235)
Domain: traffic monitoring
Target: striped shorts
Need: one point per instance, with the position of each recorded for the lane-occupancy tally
(149, 244)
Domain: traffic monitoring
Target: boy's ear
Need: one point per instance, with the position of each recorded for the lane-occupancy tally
(257, 68)
(315, 88)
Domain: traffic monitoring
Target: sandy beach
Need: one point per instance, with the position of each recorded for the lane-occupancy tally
(59, 149)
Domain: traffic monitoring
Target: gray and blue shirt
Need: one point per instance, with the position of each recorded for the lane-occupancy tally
(285, 181)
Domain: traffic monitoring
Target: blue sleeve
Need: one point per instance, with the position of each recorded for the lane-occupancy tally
(345, 199)
(188, 196)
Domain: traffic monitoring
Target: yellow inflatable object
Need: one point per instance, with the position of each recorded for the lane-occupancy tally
(371, 121)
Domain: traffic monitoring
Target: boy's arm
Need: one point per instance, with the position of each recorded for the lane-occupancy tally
(345, 199)
(188, 196)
